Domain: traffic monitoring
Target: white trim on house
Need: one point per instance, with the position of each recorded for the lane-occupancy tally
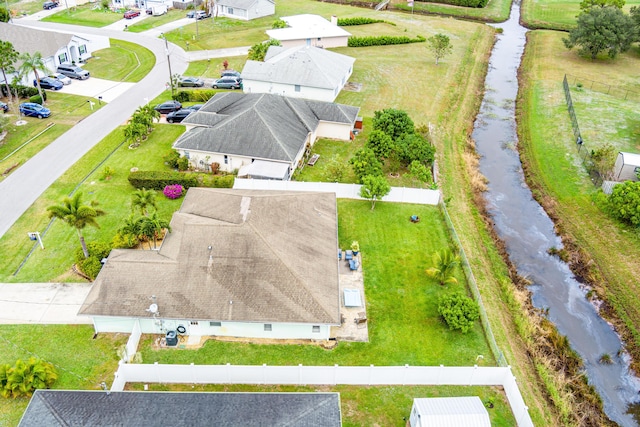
(309, 30)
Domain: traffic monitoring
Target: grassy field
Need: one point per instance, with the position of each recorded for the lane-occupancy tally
(156, 21)
(494, 11)
(556, 14)
(609, 249)
(122, 61)
(81, 362)
(212, 69)
(370, 406)
(85, 15)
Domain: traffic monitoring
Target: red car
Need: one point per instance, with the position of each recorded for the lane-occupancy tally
(129, 14)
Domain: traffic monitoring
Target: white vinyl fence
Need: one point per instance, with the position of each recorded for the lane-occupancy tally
(343, 191)
(328, 375)
(132, 343)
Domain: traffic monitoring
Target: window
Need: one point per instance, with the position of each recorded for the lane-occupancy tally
(215, 324)
(226, 159)
(315, 329)
(230, 11)
(186, 154)
(267, 327)
(82, 49)
(297, 88)
(62, 57)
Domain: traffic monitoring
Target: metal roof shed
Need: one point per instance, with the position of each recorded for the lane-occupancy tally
(626, 166)
(449, 412)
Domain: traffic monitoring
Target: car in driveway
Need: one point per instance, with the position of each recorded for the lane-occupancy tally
(34, 110)
(4, 107)
(178, 116)
(130, 14)
(73, 71)
(168, 107)
(228, 83)
(49, 5)
(48, 83)
(195, 107)
(201, 14)
(191, 82)
(191, 14)
(61, 78)
(230, 73)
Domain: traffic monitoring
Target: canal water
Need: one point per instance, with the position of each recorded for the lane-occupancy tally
(528, 232)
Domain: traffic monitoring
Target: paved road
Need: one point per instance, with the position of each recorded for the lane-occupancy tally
(20, 189)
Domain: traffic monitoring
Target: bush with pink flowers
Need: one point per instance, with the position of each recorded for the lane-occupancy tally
(173, 191)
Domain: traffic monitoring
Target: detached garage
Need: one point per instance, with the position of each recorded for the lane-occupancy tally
(449, 411)
(627, 164)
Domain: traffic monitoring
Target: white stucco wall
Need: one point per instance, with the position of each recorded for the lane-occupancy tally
(334, 130)
(205, 327)
(257, 10)
(325, 42)
(232, 162)
(306, 92)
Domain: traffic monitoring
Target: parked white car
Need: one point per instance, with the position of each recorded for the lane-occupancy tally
(61, 78)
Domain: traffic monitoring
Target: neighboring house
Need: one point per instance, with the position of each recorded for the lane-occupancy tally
(627, 167)
(449, 411)
(237, 263)
(234, 129)
(310, 30)
(299, 72)
(245, 9)
(54, 47)
(58, 408)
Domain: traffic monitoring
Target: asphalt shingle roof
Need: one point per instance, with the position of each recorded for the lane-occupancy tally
(31, 40)
(272, 260)
(61, 408)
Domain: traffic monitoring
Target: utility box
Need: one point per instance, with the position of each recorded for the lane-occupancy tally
(171, 338)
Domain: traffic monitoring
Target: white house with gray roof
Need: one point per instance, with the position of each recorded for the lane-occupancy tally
(240, 263)
(235, 129)
(310, 30)
(299, 72)
(245, 9)
(55, 47)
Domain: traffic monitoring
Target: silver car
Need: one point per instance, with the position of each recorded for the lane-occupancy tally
(61, 78)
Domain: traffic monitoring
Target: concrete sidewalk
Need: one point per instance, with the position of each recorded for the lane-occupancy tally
(42, 303)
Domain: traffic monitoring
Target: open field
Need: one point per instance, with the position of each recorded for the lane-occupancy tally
(494, 11)
(609, 250)
(556, 14)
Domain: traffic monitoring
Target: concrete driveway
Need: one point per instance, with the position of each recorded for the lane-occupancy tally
(43, 303)
(93, 88)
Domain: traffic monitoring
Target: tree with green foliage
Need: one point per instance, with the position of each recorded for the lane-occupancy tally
(143, 199)
(444, 262)
(146, 115)
(374, 187)
(440, 46)
(258, 51)
(459, 311)
(135, 131)
(415, 147)
(604, 159)
(5, 15)
(602, 29)
(420, 172)
(8, 58)
(624, 202)
(393, 122)
(587, 5)
(33, 63)
(77, 215)
(365, 162)
(635, 16)
(380, 143)
(25, 377)
(279, 23)
(151, 228)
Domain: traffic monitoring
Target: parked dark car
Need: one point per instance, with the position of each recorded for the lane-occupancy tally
(4, 107)
(230, 73)
(228, 83)
(196, 107)
(34, 110)
(49, 83)
(168, 107)
(149, 11)
(178, 116)
(191, 82)
(49, 5)
(130, 14)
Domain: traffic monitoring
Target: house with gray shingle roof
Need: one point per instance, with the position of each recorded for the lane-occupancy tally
(299, 72)
(240, 263)
(55, 47)
(58, 408)
(245, 9)
(235, 129)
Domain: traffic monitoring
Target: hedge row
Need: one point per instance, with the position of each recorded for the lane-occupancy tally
(157, 180)
(382, 40)
(463, 3)
(23, 91)
(345, 22)
(198, 95)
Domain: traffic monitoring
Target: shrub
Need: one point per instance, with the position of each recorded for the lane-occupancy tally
(181, 96)
(382, 40)
(157, 180)
(96, 249)
(125, 240)
(459, 311)
(91, 266)
(420, 171)
(218, 181)
(365, 162)
(23, 91)
(414, 147)
(173, 191)
(183, 164)
(624, 202)
(171, 159)
(25, 377)
(393, 122)
(279, 23)
(358, 20)
(197, 95)
(36, 99)
(107, 172)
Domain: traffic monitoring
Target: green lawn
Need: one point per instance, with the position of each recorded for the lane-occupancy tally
(370, 406)
(86, 15)
(212, 68)
(494, 11)
(122, 61)
(156, 21)
(81, 362)
(556, 14)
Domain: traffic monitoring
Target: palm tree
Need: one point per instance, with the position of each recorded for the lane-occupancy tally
(135, 131)
(142, 199)
(33, 63)
(151, 227)
(146, 115)
(8, 57)
(444, 261)
(77, 215)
